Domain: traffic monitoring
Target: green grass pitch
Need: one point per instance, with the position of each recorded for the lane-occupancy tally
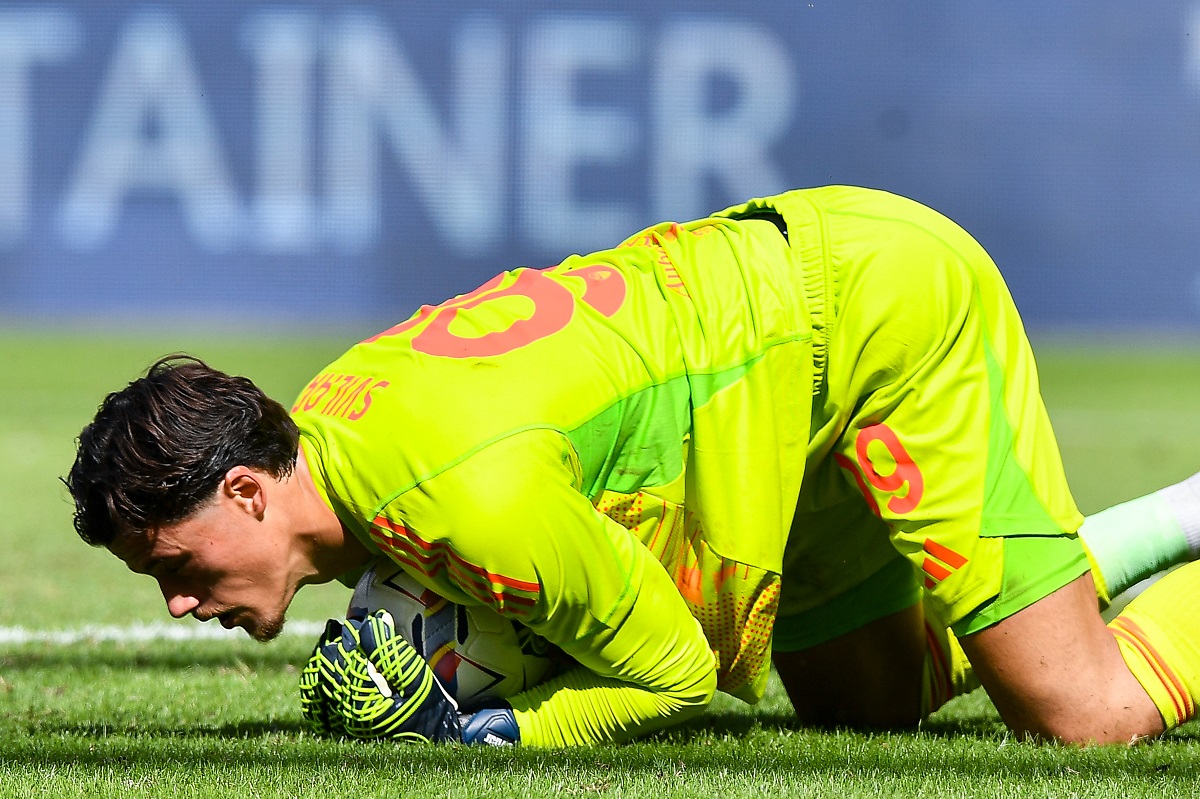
(220, 718)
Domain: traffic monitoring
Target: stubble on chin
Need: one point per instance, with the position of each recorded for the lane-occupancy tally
(266, 629)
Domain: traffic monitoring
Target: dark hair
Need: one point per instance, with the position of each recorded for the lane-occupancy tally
(159, 448)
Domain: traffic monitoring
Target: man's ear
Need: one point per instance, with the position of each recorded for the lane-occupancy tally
(245, 487)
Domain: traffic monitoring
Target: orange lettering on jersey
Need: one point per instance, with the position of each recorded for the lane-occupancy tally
(351, 400)
(335, 399)
(553, 305)
(309, 389)
(553, 308)
(906, 475)
(354, 416)
(640, 240)
(672, 279)
(314, 392)
(355, 387)
(423, 313)
(852, 467)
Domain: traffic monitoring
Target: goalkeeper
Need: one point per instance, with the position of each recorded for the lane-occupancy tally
(809, 424)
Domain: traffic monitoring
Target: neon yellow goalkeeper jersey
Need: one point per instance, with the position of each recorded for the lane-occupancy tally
(599, 450)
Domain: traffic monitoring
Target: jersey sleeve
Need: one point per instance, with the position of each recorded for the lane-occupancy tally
(508, 528)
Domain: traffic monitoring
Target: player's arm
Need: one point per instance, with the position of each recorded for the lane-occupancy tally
(508, 527)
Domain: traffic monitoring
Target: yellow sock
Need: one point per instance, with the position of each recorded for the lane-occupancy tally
(1159, 637)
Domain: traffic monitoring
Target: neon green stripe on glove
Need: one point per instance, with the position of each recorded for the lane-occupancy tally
(364, 680)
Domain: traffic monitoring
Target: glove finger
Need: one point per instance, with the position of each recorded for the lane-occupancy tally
(374, 630)
(328, 678)
(333, 631)
(312, 701)
(329, 655)
(372, 706)
(350, 634)
(416, 709)
(321, 675)
(392, 654)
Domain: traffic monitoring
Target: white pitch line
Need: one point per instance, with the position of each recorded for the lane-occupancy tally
(154, 631)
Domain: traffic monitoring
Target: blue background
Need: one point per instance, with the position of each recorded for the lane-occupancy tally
(329, 163)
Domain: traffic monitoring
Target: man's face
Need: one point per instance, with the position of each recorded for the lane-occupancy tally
(220, 563)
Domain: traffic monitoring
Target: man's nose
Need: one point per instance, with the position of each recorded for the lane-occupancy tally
(179, 603)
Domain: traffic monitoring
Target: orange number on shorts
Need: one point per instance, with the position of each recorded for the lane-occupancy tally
(553, 307)
(906, 472)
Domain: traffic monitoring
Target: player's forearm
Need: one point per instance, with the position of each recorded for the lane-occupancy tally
(580, 707)
(653, 669)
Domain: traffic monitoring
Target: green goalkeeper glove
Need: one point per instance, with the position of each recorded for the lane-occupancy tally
(322, 679)
(364, 680)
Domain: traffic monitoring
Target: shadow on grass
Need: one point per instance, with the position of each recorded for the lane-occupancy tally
(724, 727)
(175, 656)
(734, 725)
(797, 755)
(971, 726)
(237, 731)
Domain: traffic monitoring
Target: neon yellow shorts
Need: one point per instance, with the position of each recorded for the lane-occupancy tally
(930, 438)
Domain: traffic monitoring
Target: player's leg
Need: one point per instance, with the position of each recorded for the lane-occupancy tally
(869, 677)
(949, 443)
(894, 670)
(891, 672)
(1054, 671)
(946, 437)
(852, 643)
(1159, 637)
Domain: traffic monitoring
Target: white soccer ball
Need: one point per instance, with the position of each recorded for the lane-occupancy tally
(476, 653)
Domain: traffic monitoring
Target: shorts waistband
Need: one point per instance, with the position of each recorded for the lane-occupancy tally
(807, 235)
(802, 222)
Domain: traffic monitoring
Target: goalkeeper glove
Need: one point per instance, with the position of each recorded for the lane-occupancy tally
(364, 680)
(322, 679)
(493, 725)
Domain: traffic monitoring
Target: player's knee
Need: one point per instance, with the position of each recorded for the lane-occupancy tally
(1076, 728)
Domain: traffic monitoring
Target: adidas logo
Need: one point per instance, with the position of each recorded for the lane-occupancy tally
(942, 563)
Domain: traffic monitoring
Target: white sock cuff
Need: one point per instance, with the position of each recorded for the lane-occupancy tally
(1184, 500)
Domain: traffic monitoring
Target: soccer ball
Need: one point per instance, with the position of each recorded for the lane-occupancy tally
(476, 653)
